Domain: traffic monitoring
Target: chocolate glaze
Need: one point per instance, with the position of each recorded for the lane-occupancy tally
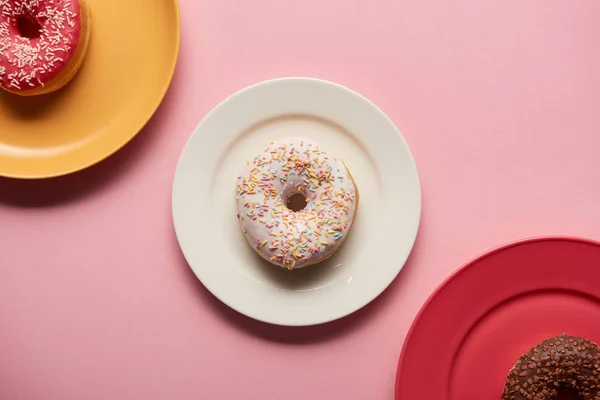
(560, 362)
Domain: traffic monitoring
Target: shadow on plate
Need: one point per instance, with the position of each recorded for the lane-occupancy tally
(28, 107)
(73, 187)
(65, 189)
(299, 279)
(308, 278)
(287, 334)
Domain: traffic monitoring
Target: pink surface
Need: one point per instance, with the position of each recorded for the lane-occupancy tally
(498, 100)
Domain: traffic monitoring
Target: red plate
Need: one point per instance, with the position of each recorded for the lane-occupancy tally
(481, 319)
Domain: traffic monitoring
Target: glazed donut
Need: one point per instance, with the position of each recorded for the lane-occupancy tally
(286, 232)
(42, 44)
(560, 362)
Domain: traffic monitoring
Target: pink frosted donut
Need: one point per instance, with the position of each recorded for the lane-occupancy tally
(42, 43)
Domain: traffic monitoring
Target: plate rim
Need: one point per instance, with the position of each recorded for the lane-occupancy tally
(58, 172)
(300, 80)
(463, 268)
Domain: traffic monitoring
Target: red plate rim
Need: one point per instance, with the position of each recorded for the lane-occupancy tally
(462, 269)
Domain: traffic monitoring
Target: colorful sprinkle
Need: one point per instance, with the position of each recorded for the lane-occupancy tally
(305, 236)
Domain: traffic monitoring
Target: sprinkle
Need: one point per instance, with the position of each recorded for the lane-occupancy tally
(31, 62)
(295, 237)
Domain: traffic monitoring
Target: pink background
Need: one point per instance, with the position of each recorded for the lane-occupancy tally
(498, 99)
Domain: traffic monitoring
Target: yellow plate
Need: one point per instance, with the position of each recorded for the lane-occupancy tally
(128, 68)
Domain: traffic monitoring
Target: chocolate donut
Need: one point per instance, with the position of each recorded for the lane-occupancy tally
(560, 362)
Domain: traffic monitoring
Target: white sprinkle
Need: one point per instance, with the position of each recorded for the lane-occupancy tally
(32, 58)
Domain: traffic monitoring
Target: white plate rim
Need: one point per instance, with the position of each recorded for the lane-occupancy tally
(383, 280)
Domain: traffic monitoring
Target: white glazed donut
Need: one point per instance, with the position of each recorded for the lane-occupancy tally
(266, 187)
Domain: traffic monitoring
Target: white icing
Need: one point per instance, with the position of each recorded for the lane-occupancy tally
(284, 237)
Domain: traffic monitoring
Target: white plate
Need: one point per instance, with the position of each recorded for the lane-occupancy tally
(362, 136)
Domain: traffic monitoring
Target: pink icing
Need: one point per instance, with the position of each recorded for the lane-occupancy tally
(26, 63)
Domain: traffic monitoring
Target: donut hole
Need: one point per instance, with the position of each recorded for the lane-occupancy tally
(28, 29)
(296, 202)
(567, 393)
